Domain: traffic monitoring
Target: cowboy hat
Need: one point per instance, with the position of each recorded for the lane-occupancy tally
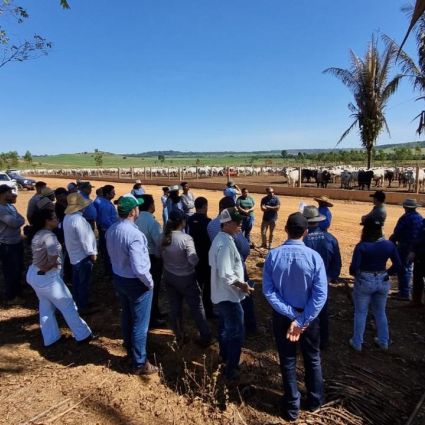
(76, 203)
(311, 213)
(324, 200)
(410, 203)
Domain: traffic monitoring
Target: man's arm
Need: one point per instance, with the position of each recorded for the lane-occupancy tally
(336, 263)
(318, 295)
(12, 221)
(272, 296)
(87, 238)
(140, 262)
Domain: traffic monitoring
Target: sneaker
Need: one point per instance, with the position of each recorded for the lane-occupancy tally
(383, 347)
(88, 339)
(147, 369)
(354, 347)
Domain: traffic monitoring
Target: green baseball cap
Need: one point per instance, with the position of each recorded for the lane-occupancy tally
(127, 203)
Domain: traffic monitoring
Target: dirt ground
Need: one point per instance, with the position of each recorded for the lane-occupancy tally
(91, 384)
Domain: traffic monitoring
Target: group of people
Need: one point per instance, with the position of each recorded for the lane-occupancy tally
(202, 261)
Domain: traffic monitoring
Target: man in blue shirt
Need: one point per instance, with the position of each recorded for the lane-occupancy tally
(324, 205)
(327, 246)
(128, 250)
(90, 212)
(232, 190)
(106, 216)
(406, 232)
(295, 285)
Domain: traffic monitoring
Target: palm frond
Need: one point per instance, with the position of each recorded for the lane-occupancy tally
(344, 75)
(418, 11)
(347, 132)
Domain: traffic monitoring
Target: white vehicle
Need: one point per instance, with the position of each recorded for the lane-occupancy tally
(5, 179)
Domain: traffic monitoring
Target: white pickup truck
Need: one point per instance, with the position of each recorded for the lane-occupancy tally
(5, 179)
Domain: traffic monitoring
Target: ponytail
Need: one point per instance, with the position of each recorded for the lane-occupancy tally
(169, 227)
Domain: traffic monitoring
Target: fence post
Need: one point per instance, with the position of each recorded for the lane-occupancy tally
(119, 173)
(197, 174)
(150, 171)
(417, 179)
(300, 178)
(168, 171)
(180, 174)
(144, 171)
(132, 172)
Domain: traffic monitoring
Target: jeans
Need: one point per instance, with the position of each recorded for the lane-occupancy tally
(53, 294)
(104, 253)
(187, 288)
(231, 335)
(203, 276)
(247, 223)
(309, 343)
(270, 224)
(418, 279)
(136, 301)
(370, 288)
(406, 273)
(12, 260)
(249, 312)
(324, 325)
(81, 282)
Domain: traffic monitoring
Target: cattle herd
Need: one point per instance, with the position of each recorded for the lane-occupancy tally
(346, 177)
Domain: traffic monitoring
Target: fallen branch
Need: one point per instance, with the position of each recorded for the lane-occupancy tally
(45, 412)
(415, 412)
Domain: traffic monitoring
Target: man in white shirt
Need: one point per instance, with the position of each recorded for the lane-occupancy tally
(228, 289)
(81, 246)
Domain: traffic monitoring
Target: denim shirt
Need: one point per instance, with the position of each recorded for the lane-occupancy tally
(106, 214)
(294, 281)
(325, 224)
(407, 229)
(327, 246)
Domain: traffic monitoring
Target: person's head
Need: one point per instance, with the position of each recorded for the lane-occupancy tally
(44, 219)
(148, 203)
(72, 187)
(231, 220)
(269, 191)
(173, 193)
(311, 213)
(109, 192)
(61, 194)
(244, 192)
(201, 205)
(14, 197)
(226, 202)
(76, 202)
(99, 192)
(372, 230)
(39, 186)
(296, 226)
(410, 205)
(48, 193)
(6, 194)
(185, 187)
(176, 221)
(165, 190)
(86, 188)
(128, 207)
(378, 197)
(230, 183)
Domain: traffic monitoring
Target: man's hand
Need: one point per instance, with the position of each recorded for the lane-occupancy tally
(294, 332)
(244, 287)
(93, 258)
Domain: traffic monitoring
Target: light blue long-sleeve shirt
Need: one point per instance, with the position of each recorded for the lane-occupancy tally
(106, 214)
(294, 281)
(128, 250)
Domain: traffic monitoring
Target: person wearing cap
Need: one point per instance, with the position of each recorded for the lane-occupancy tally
(32, 204)
(150, 227)
(128, 250)
(164, 197)
(11, 246)
(378, 212)
(180, 259)
(44, 276)
(197, 228)
(270, 205)
(72, 187)
(137, 190)
(188, 199)
(371, 281)
(174, 201)
(327, 246)
(243, 247)
(296, 286)
(81, 246)
(405, 234)
(90, 212)
(228, 289)
(232, 190)
(245, 205)
(324, 205)
(46, 200)
(106, 216)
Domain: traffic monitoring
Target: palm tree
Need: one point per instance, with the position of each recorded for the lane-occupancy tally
(368, 79)
(418, 12)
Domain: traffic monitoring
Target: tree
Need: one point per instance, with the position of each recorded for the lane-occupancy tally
(284, 154)
(368, 79)
(9, 159)
(418, 13)
(28, 157)
(98, 158)
(161, 158)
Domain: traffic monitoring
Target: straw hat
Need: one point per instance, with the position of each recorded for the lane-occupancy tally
(311, 213)
(76, 203)
(324, 200)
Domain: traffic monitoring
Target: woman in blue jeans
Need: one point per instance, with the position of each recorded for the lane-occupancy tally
(372, 284)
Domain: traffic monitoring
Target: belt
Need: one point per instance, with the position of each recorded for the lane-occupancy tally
(373, 272)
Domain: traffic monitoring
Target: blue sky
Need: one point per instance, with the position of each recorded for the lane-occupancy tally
(204, 75)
